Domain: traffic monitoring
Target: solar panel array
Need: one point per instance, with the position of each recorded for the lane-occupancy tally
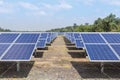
(75, 38)
(46, 38)
(20, 46)
(100, 47)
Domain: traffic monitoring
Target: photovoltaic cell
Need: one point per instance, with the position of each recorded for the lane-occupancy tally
(43, 35)
(48, 40)
(19, 52)
(92, 38)
(41, 44)
(77, 36)
(3, 48)
(28, 38)
(100, 52)
(112, 38)
(79, 44)
(8, 38)
(116, 48)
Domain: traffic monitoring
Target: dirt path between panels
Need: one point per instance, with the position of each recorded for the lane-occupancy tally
(59, 62)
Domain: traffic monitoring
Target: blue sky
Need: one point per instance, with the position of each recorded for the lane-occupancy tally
(32, 15)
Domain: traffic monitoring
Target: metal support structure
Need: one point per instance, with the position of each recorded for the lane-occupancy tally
(35, 52)
(18, 66)
(102, 67)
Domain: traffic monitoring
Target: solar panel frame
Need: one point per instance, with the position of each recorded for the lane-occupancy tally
(101, 60)
(81, 45)
(9, 47)
(112, 37)
(42, 35)
(3, 47)
(13, 59)
(8, 37)
(38, 46)
(21, 44)
(116, 48)
(95, 38)
(22, 38)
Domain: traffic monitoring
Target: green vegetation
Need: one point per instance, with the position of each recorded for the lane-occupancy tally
(4, 30)
(110, 23)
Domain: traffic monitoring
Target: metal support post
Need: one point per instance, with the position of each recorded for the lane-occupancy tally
(18, 66)
(102, 67)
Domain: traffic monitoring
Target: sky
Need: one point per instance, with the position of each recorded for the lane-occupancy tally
(41, 15)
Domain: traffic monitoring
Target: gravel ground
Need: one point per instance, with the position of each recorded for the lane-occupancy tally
(58, 62)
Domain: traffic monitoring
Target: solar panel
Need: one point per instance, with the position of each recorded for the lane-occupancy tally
(8, 37)
(100, 53)
(48, 40)
(28, 38)
(77, 36)
(92, 38)
(3, 48)
(116, 48)
(43, 35)
(19, 52)
(79, 44)
(112, 38)
(41, 44)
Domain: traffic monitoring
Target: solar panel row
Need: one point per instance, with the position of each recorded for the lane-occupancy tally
(100, 47)
(45, 38)
(75, 38)
(20, 46)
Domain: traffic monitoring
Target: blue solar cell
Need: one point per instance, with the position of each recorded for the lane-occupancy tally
(19, 52)
(100, 52)
(43, 35)
(41, 44)
(77, 36)
(8, 37)
(48, 40)
(79, 44)
(49, 35)
(112, 38)
(3, 48)
(92, 38)
(116, 48)
(27, 38)
(72, 40)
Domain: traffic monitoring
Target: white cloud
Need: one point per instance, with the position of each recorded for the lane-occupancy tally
(87, 2)
(1, 2)
(6, 7)
(33, 9)
(29, 6)
(39, 13)
(114, 2)
(62, 5)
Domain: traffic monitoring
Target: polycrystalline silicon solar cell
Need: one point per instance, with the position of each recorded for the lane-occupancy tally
(72, 39)
(92, 38)
(27, 38)
(49, 35)
(19, 52)
(3, 48)
(116, 48)
(79, 44)
(77, 35)
(48, 40)
(100, 52)
(8, 37)
(43, 35)
(112, 38)
(41, 44)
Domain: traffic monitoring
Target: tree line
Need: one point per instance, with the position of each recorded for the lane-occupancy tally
(111, 23)
(4, 30)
